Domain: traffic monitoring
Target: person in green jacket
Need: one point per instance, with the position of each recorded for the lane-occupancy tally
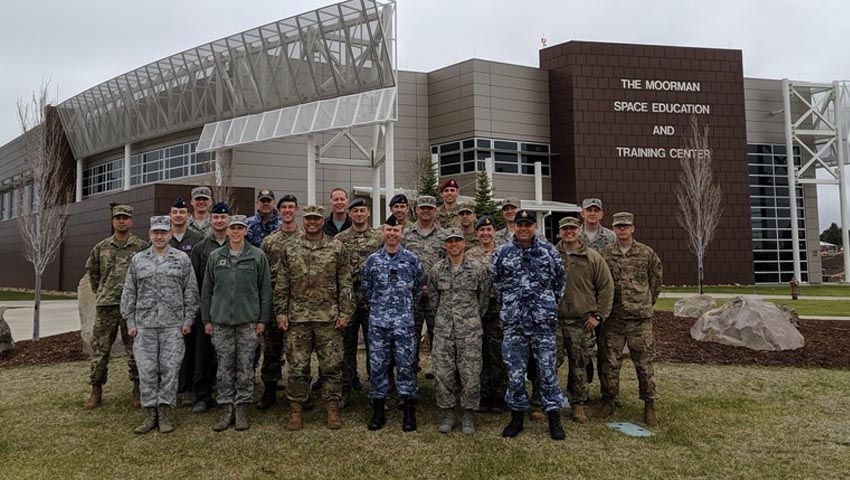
(236, 304)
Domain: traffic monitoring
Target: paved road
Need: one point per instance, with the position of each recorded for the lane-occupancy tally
(57, 316)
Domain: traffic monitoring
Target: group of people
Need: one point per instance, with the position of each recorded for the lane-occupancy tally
(195, 304)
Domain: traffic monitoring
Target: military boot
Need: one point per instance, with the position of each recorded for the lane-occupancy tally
(137, 401)
(241, 418)
(149, 423)
(556, 431)
(334, 421)
(165, 425)
(448, 422)
(467, 423)
(379, 414)
(225, 419)
(95, 398)
(408, 422)
(577, 414)
(294, 423)
(515, 426)
(536, 414)
(649, 416)
(269, 396)
(607, 409)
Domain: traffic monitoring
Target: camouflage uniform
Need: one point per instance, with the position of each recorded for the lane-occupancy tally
(107, 265)
(448, 218)
(493, 374)
(392, 286)
(160, 296)
(273, 360)
(471, 240)
(529, 283)
(637, 280)
(428, 249)
(358, 245)
(313, 289)
(202, 228)
(460, 295)
(604, 237)
(258, 231)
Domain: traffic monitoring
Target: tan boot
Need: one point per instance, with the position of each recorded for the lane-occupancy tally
(334, 422)
(137, 400)
(578, 414)
(536, 414)
(95, 398)
(607, 409)
(294, 423)
(649, 416)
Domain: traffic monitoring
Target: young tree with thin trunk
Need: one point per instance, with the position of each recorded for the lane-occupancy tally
(42, 217)
(698, 196)
(222, 179)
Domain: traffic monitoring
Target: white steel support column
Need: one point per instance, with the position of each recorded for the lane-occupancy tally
(78, 197)
(792, 178)
(389, 163)
(842, 179)
(311, 170)
(376, 195)
(127, 154)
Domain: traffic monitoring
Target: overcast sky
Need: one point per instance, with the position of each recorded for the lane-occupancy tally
(78, 44)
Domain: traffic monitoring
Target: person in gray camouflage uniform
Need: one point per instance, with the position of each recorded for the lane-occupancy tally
(200, 221)
(159, 301)
(459, 291)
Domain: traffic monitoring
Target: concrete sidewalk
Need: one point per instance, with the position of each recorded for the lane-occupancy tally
(57, 316)
(753, 295)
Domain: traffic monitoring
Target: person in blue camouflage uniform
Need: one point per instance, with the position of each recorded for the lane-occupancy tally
(392, 281)
(529, 280)
(265, 222)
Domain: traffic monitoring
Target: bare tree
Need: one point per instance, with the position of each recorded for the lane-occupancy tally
(222, 178)
(43, 206)
(698, 195)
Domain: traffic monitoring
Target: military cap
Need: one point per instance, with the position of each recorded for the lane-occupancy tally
(510, 202)
(201, 192)
(238, 220)
(391, 221)
(449, 183)
(265, 194)
(179, 203)
(313, 211)
(287, 198)
(525, 216)
(623, 218)
(160, 222)
(485, 221)
(122, 210)
(220, 207)
(569, 222)
(452, 233)
(357, 202)
(591, 202)
(398, 198)
(426, 201)
(466, 207)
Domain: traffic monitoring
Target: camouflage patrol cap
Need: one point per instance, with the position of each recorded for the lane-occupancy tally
(524, 216)
(623, 218)
(160, 222)
(452, 233)
(466, 207)
(126, 210)
(313, 211)
(426, 201)
(569, 222)
(201, 192)
(591, 202)
(485, 221)
(510, 202)
(238, 220)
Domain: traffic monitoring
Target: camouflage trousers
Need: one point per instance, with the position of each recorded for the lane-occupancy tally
(159, 352)
(107, 323)
(273, 359)
(359, 322)
(541, 344)
(234, 347)
(456, 360)
(423, 316)
(493, 375)
(302, 339)
(637, 334)
(397, 344)
(578, 345)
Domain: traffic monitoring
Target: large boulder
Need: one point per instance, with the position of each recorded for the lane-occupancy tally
(694, 307)
(88, 311)
(6, 341)
(748, 323)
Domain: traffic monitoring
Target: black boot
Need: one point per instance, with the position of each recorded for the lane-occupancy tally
(379, 414)
(515, 426)
(269, 396)
(556, 431)
(408, 423)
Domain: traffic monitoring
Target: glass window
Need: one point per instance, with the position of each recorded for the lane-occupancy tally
(450, 147)
(503, 145)
(507, 159)
(468, 144)
(483, 143)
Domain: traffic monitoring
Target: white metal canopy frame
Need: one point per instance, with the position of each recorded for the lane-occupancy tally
(338, 50)
(821, 131)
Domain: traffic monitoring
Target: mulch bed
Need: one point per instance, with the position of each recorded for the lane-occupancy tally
(827, 346)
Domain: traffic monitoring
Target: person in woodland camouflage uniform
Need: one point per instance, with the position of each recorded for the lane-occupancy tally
(529, 280)
(510, 206)
(313, 303)
(106, 266)
(447, 213)
(272, 368)
(360, 241)
(637, 273)
(392, 282)
(159, 301)
(235, 308)
(201, 202)
(459, 291)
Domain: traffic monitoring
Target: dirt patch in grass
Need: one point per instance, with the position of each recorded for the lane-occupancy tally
(65, 347)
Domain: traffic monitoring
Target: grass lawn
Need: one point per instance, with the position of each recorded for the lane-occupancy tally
(828, 308)
(11, 296)
(716, 422)
(805, 290)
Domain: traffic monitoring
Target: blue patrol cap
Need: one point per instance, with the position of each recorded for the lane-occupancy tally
(485, 221)
(220, 207)
(357, 202)
(398, 198)
(179, 203)
(391, 221)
